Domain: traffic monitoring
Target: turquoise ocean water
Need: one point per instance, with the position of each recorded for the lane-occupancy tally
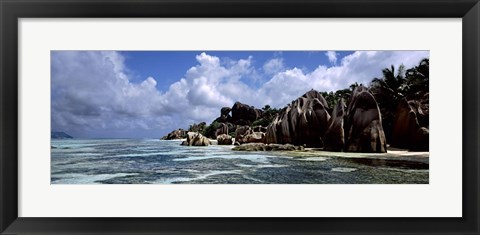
(150, 161)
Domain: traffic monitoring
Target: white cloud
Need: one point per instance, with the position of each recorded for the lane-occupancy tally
(273, 66)
(92, 94)
(332, 56)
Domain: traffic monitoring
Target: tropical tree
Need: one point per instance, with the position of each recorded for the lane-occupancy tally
(388, 90)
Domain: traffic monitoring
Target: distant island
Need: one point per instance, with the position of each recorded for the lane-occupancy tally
(60, 135)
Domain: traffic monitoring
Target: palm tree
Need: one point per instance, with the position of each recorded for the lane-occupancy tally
(388, 90)
(418, 76)
(390, 85)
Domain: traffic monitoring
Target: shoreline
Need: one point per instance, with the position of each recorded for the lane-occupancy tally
(391, 154)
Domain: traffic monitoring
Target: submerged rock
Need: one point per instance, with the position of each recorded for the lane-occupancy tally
(363, 127)
(266, 147)
(196, 139)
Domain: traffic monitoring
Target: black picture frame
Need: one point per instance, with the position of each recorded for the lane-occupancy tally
(12, 10)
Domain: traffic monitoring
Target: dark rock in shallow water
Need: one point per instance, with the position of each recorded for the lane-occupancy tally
(224, 139)
(266, 147)
(176, 134)
(60, 135)
(196, 139)
(363, 126)
(335, 136)
(407, 131)
(303, 122)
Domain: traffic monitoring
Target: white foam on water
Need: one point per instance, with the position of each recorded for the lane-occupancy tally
(253, 179)
(76, 178)
(343, 169)
(261, 166)
(78, 155)
(197, 177)
(251, 157)
(406, 170)
(137, 155)
(313, 159)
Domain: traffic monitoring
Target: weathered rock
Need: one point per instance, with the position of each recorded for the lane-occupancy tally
(266, 147)
(254, 137)
(224, 139)
(243, 114)
(334, 139)
(407, 130)
(363, 126)
(222, 129)
(241, 131)
(420, 140)
(196, 139)
(176, 134)
(259, 129)
(225, 111)
(302, 122)
(244, 134)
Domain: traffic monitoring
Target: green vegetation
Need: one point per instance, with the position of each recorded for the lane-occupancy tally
(392, 87)
(211, 129)
(268, 116)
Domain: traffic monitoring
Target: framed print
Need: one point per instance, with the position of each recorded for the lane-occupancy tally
(239, 117)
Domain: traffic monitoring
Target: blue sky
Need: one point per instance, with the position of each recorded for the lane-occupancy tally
(167, 66)
(146, 94)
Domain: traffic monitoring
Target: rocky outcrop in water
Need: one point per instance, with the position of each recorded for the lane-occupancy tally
(303, 122)
(196, 139)
(267, 147)
(363, 125)
(334, 139)
(410, 126)
(176, 134)
(224, 139)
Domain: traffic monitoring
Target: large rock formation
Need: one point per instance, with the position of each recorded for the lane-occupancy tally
(224, 115)
(224, 139)
(176, 134)
(302, 122)
(196, 139)
(409, 128)
(363, 125)
(243, 114)
(334, 139)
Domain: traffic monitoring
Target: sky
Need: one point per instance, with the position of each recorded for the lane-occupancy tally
(147, 94)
